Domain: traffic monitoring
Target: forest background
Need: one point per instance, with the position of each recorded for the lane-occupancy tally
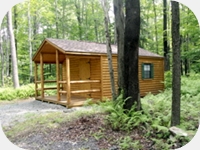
(83, 20)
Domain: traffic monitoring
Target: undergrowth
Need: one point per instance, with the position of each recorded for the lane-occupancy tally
(155, 117)
(25, 91)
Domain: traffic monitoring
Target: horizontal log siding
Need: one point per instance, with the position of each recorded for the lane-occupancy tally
(146, 85)
(106, 86)
(95, 75)
(152, 85)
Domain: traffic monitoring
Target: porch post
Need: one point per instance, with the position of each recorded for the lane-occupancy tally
(68, 96)
(42, 75)
(58, 75)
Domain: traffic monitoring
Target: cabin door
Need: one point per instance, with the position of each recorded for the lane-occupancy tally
(84, 74)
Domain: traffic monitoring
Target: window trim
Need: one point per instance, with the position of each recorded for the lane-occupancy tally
(151, 71)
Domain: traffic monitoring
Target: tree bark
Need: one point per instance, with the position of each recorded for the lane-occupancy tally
(108, 46)
(119, 25)
(155, 25)
(131, 48)
(8, 51)
(13, 51)
(165, 42)
(15, 24)
(176, 71)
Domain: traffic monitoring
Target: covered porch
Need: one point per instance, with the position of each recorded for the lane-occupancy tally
(74, 78)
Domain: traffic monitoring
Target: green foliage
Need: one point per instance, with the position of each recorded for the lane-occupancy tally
(7, 81)
(127, 143)
(155, 118)
(19, 93)
(121, 119)
(168, 80)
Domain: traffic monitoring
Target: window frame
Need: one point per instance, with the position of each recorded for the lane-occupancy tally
(151, 74)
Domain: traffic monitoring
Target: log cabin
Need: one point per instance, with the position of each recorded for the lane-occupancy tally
(82, 72)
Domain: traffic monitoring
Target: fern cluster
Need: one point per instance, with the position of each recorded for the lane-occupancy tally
(121, 119)
(19, 93)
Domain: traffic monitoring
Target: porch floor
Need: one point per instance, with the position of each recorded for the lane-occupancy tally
(74, 102)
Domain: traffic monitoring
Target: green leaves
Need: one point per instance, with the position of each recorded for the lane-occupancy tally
(19, 93)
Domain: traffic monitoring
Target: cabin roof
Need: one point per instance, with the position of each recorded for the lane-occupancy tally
(90, 47)
(49, 46)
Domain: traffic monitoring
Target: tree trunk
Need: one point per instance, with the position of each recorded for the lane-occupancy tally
(35, 29)
(56, 13)
(8, 52)
(79, 19)
(119, 24)
(95, 24)
(2, 61)
(13, 51)
(176, 71)
(64, 21)
(131, 48)
(108, 46)
(15, 24)
(30, 44)
(165, 42)
(155, 25)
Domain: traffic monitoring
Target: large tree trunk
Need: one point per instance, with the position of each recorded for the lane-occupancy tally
(131, 48)
(108, 46)
(119, 24)
(176, 71)
(13, 51)
(165, 43)
(15, 24)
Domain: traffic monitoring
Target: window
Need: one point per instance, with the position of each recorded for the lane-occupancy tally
(147, 71)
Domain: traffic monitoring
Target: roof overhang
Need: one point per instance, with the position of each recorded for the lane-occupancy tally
(48, 51)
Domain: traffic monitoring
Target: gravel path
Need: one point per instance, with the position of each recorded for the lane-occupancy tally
(13, 112)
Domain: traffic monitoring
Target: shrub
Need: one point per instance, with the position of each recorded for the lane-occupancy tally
(24, 91)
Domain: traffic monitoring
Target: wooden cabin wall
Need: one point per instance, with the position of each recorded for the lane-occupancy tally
(99, 70)
(156, 84)
(84, 69)
(106, 85)
(146, 85)
(95, 75)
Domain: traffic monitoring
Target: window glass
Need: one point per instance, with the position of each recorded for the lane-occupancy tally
(147, 72)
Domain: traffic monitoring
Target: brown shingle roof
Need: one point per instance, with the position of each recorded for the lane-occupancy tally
(90, 47)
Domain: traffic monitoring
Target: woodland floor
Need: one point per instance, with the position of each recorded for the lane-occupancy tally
(84, 133)
(89, 132)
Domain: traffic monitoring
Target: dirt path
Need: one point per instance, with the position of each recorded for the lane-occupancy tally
(12, 113)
